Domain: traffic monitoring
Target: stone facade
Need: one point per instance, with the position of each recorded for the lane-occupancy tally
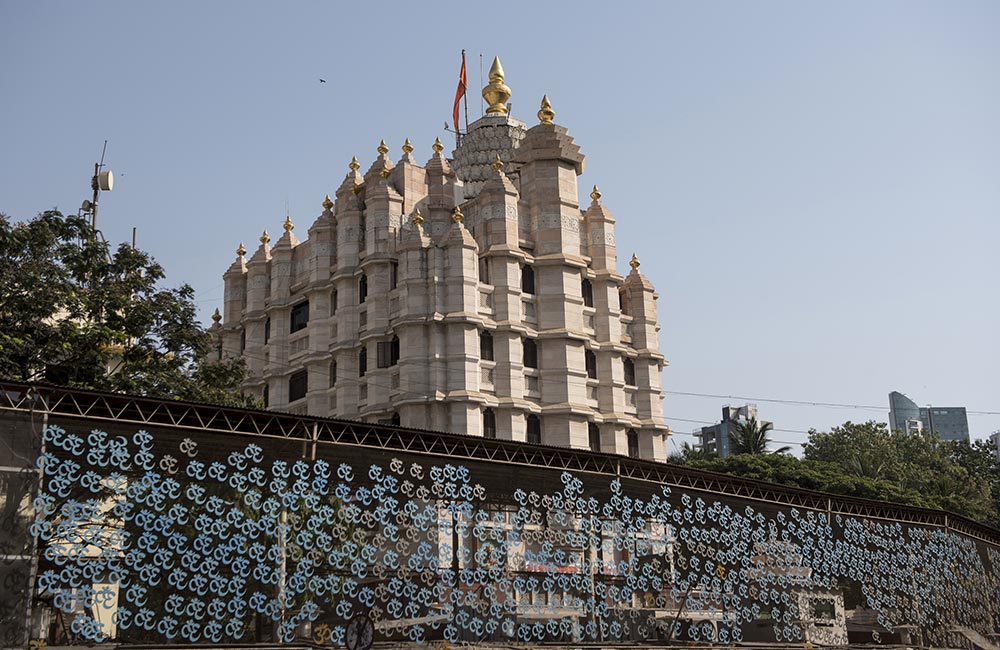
(506, 318)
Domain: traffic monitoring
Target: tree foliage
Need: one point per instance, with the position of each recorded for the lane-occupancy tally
(74, 312)
(868, 461)
(751, 437)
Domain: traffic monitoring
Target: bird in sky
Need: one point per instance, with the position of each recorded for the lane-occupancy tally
(322, 81)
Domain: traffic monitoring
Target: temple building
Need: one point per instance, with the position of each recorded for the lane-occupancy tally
(471, 294)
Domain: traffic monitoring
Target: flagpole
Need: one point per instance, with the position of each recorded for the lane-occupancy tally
(465, 97)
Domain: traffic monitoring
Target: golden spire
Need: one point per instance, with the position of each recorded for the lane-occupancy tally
(327, 203)
(456, 215)
(545, 113)
(382, 149)
(241, 251)
(216, 317)
(355, 165)
(497, 164)
(634, 263)
(384, 172)
(289, 226)
(265, 238)
(496, 93)
(596, 194)
(407, 147)
(418, 219)
(437, 146)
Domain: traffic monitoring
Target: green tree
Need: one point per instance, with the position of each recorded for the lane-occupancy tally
(751, 437)
(689, 453)
(74, 312)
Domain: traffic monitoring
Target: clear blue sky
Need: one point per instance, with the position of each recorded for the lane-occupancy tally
(814, 189)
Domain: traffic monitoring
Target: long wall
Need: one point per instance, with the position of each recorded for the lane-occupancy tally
(171, 521)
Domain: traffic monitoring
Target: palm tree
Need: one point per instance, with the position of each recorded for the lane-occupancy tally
(750, 437)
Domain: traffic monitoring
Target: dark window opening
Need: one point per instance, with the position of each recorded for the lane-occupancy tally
(587, 289)
(629, 366)
(298, 385)
(534, 429)
(333, 374)
(333, 302)
(265, 396)
(300, 316)
(362, 362)
(363, 289)
(267, 330)
(486, 346)
(393, 275)
(530, 356)
(489, 423)
(633, 443)
(594, 434)
(388, 352)
(243, 341)
(591, 361)
(363, 235)
(484, 270)
(527, 279)
(622, 301)
(394, 420)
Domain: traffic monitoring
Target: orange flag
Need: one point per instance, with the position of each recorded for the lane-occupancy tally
(459, 92)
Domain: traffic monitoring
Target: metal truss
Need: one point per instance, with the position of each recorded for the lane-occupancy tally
(207, 418)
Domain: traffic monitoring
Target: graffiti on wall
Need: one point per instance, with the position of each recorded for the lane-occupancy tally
(179, 542)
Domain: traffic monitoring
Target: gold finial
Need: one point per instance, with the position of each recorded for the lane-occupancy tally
(456, 215)
(596, 194)
(407, 147)
(241, 251)
(545, 114)
(382, 149)
(384, 172)
(327, 203)
(265, 238)
(496, 93)
(437, 146)
(497, 164)
(289, 226)
(418, 219)
(634, 263)
(355, 165)
(216, 316)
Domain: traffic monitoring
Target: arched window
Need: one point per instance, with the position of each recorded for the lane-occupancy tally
(486, 345)
(591, 360)
(527, 279)
(393, 275)
(243, 341)
(267, 329)
(265, 396)
(362, 362)
(629, 372)
(333, 302)
(587, 289)
(534, 429)
(530, 356)
(633, 443)
(333, 374)
(594, 434)
(489, 423)
(362, 288)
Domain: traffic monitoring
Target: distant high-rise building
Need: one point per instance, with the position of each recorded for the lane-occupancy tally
(995, 443)
(716, 437)
(948, 422)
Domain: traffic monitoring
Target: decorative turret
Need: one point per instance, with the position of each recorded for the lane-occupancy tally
(599, 234)
(409, 178)
(494, 133)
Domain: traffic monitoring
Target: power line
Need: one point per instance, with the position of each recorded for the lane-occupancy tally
(857, 407)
